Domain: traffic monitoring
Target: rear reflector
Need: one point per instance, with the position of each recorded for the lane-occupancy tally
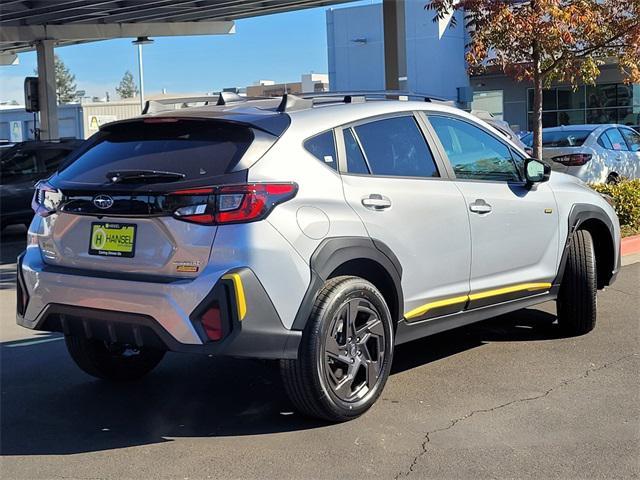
(573, 160)
(212, 323)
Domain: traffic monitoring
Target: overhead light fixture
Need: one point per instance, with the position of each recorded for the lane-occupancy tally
(142, 41)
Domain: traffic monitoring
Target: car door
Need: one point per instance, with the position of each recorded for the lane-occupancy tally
(514, 229)
(632, 164)
(405, 200)
(618, 152)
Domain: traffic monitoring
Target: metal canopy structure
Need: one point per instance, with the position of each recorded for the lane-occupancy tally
(22, 22)
(42, 25)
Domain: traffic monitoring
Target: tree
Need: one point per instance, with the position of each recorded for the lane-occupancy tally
(66, 88)
(127, 87)
(547, 41)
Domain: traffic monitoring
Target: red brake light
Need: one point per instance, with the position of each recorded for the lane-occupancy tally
(161, 120)
(573, 159)
(232, 203)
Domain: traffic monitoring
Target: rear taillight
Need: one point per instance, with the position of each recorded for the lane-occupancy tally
(45, 199)
(573, 159)
(230, 203)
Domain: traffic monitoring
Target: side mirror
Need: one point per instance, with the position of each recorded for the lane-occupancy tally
(536, 171)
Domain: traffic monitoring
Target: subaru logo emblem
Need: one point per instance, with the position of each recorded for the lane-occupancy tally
(103, 201)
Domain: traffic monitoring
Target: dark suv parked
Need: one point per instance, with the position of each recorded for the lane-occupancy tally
(21, 166)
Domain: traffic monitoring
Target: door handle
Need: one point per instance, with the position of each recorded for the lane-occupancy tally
(375, 201)
(480, 206)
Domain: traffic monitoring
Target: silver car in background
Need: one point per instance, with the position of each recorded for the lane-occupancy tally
(593, 153)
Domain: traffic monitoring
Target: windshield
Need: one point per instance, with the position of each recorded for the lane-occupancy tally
(559, 138)
(196, 149)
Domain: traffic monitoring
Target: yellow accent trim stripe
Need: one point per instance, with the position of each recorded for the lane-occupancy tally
(241, 303)
(512, 289)
(418, 312)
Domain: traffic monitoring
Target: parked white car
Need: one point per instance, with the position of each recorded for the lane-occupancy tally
(593, 153)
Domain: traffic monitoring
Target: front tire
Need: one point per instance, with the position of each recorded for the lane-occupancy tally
(577, 296)
(345, 354)
(110, 361)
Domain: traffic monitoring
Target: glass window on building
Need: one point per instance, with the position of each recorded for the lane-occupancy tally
(604, 103)
(489, 101)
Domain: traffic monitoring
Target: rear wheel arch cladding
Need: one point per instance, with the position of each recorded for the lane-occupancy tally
(334, 256)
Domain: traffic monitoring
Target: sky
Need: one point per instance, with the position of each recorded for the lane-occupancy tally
(277, 47)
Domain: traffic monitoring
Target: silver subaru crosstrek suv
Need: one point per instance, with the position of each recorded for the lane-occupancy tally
(318, 231)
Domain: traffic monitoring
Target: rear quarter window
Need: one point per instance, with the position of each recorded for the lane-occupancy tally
(197, 149)
(323, 147)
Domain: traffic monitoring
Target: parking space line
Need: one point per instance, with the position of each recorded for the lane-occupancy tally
(33, 342)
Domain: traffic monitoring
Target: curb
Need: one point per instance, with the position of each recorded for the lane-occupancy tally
(630, 245)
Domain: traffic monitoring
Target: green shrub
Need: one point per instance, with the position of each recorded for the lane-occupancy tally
(626, 198)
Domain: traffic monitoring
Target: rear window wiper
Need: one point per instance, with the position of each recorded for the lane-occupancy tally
(145, 176)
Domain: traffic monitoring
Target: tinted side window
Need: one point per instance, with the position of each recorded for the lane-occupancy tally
(615, 137)
(604, 141)
(474, 154)
(395, 146)
(355, 160)
(633, 139)
(323, 147)
(21, 162)
(50, 158)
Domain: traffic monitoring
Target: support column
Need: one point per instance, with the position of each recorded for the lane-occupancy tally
(47, 90)
(395, 50)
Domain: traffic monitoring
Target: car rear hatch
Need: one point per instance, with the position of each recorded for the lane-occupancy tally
(139, 197)
(564, 148)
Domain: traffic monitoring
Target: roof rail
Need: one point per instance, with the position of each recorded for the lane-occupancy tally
(388, 94)
(304, 101)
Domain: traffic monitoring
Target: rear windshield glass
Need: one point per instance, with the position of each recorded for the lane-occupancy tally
(566, 138)
(197, 149)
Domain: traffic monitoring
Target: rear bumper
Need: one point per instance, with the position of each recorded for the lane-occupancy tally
(162, 314)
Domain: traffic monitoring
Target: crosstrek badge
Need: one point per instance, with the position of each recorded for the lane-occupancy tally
(112, 239)
(187, 267)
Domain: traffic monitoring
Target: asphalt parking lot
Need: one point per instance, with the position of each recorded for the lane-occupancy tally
(507, 398)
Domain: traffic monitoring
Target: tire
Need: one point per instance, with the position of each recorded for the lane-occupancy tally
(578, 291)
(335, 376)
(112, 362)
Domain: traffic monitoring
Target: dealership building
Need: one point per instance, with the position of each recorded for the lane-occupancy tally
(431, 60)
